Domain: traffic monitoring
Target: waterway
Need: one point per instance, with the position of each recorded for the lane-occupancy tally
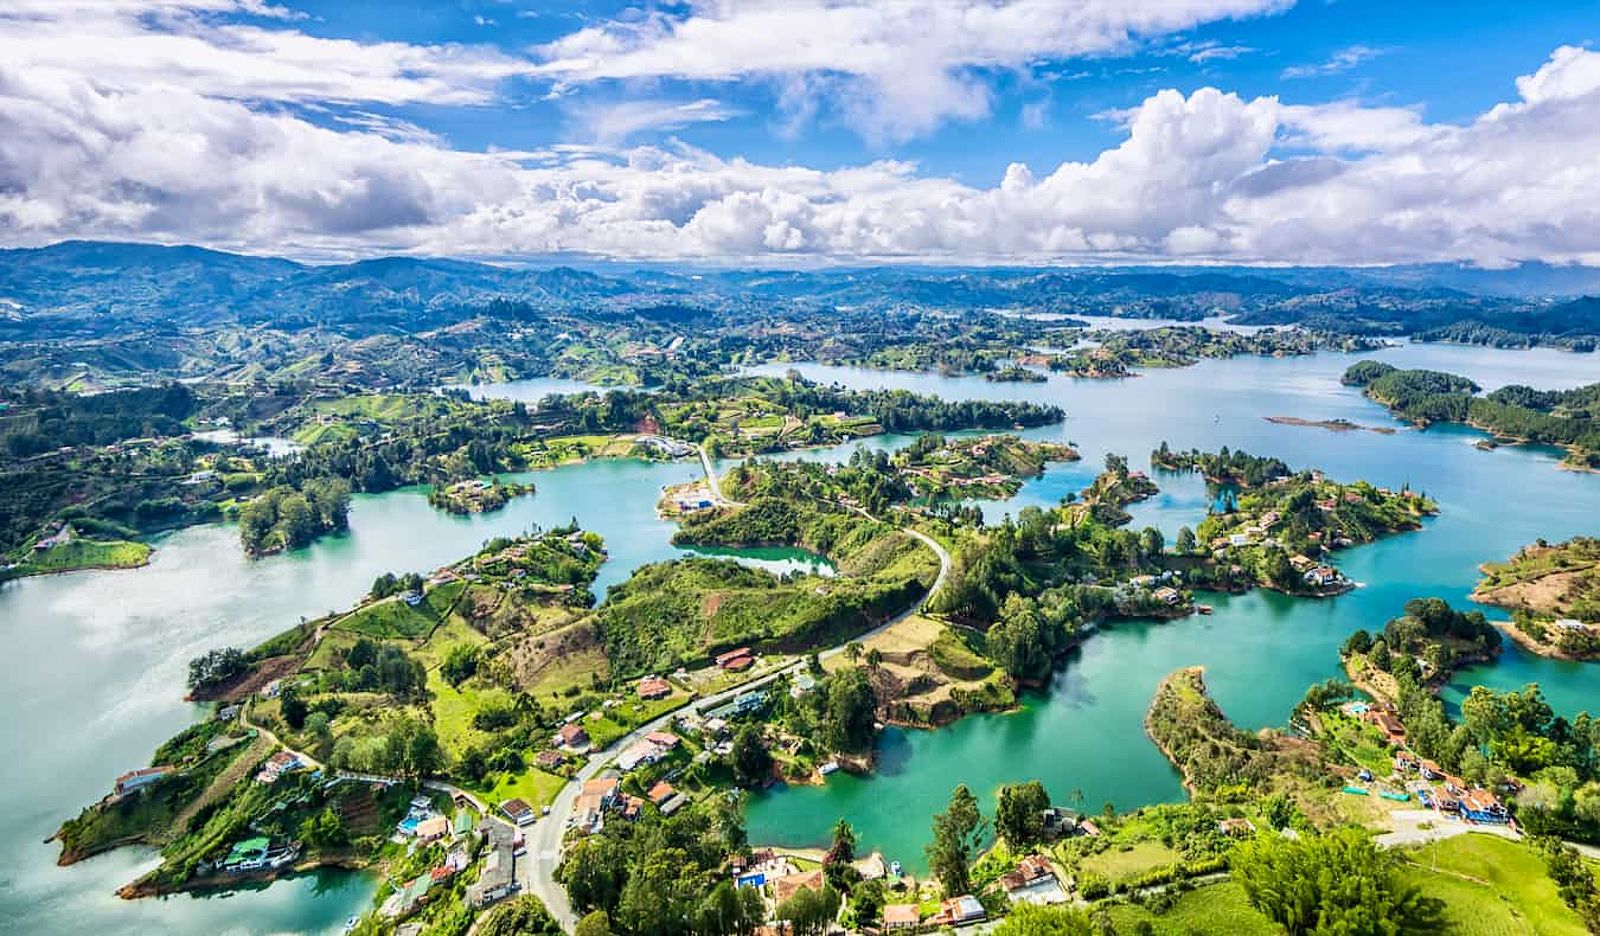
(92, 677)
(1083, 737)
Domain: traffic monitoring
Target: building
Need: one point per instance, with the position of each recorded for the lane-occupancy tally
(1034, 881)
(518, 811)
(433, 829)
(572, 737)
(596, 797)
(1237, 826)
(496, 881)
(1322, 576)
(550, 760)
(661, 792)
(277, 765)
(900, 917)
(1387, 722)
(958, 911)
(138, 779)
(735, 660)
(1168, 595)
(785, 887)
(651, 688)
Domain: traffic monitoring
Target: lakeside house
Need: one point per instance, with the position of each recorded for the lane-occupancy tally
(1387, 722)
(1322, 576)
(141, 778)
(1034, 881)
(60, 537)
(958, 911)
(1168, 595)
(786, 887)
(277, 765)
(901, 917)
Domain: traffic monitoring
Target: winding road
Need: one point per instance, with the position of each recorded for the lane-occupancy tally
(536, 873)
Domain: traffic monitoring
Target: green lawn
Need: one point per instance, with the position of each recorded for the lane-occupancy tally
(533, 786)
(1219, 909)
(89, 554)
(393, 618)
(1491, 887)
(1113, 864)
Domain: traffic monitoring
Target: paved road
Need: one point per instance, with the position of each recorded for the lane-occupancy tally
(712, 482)
(537, 872)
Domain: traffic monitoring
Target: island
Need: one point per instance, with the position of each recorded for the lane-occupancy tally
(1553, 592)
(1515, 413)
(476, 496)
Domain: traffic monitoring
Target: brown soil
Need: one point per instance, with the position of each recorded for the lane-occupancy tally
(250, 682)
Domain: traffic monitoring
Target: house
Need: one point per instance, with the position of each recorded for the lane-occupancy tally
(1321, 576)
(412, 597)
(803, 683)
(596, 796)
(518, 811)
(1168, 595)
(651, 688)
(900, 917)
(735, 659)
(550, 760)
(572, 737)
(1236, 827)
(1571, 624)
(136, 779)
(958, 911)
(1239, 539)
(1483, 806)
(1033, 881)
(785, 887)
(1388, 723)
(496, 881)
(60, 537)
(433, 829)
(661, 792)
(277, 765)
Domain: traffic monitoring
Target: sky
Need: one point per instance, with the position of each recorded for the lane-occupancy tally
(810, 132)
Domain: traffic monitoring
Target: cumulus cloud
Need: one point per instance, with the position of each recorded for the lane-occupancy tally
(901, 68)
(618, 121)
(87, 151)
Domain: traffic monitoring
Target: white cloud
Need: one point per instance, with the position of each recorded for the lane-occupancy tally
(1341, 61)
(1206, 175)
(616, 122)
(206, 48)
(904, 67)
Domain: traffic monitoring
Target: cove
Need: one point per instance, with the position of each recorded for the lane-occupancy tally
(92, 678)
(1084, 737)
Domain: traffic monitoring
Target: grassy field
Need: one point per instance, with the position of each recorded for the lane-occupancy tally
(533, 786)
(1492, 887)
(88, 554)
(1115, 864)
(1219, 909)
(393, 618)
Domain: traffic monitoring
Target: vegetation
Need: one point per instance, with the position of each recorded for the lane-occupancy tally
(1553, 417)
(1338, 882)
(286, 517)
(957, 835)
(1554, 594)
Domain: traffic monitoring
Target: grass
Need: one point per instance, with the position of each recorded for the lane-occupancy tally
(1216, 908)
(1358, 743)
(1492, 886)
(1114, 864)
(88, 554)
(393, 618)
(533, 786)
(957, 659)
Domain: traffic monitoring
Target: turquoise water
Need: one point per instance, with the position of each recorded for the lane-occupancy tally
(1083, 738)
(92, 678)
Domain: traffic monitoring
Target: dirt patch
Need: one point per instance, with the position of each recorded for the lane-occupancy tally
(710, 604)
(1545, 594)
(250, 682)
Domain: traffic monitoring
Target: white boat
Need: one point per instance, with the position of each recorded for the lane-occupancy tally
(828, 768)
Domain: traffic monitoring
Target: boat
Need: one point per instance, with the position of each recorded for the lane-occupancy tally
(351, 924)
(1204, 609)
(828, 768)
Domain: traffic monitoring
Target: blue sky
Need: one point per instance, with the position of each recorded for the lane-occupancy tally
(809, 131)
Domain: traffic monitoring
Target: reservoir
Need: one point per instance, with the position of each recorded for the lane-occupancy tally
(93, 674)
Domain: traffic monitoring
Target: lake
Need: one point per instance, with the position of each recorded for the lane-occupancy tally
(93, 677)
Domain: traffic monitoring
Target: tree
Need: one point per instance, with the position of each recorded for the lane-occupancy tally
(1186, 541)
(1151, 542)
(1019, 814)
(459, 664)
(293, 708)
(848, 722)
(523, 916)
(216, 666)
(957, 835)
(843, 847)
(1335, 883)
(752, 762)
(323, 829)
(595, 923)
(810, 911)
(1034, 920)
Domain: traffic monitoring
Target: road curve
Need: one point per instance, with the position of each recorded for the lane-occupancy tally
(537, 872)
